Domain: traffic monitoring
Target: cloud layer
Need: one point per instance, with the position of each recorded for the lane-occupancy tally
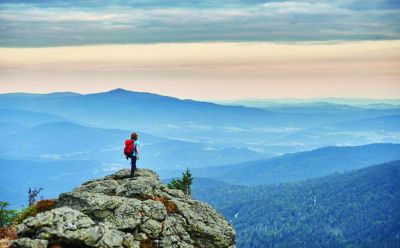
(55, 23)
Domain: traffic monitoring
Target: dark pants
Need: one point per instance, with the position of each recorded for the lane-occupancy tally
(133, 165)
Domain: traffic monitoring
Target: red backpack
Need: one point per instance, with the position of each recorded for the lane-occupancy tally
(128, 150)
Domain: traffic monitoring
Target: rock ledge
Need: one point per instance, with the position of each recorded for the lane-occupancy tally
(117, 211)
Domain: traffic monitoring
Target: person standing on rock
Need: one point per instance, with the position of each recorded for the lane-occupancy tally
(132, 151)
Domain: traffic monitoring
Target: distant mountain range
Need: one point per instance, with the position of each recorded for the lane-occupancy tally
(330, 102)
(355, 209)
(388, 123)
(126, 109)
(303, 165)
(269, 130)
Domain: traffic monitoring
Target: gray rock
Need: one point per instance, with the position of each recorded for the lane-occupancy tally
(123, 213)
(118, 211)
(29, 243)
(65, 225)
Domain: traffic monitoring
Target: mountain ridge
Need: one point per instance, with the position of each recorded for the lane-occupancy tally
(302, 165)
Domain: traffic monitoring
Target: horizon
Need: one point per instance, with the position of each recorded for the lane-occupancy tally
(334, 100)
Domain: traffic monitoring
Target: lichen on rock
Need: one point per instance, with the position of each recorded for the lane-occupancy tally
(118, 211)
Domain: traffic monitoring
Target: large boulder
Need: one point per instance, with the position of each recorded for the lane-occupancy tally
(119, 211)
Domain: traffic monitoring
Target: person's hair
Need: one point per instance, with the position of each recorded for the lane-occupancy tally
(134, 136)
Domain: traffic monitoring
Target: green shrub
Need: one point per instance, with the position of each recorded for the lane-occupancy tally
(25, 213)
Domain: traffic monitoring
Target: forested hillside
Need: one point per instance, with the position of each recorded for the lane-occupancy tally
(303, 165)
(355, 209)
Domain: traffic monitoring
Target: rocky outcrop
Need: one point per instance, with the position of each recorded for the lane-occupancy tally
(118, 211)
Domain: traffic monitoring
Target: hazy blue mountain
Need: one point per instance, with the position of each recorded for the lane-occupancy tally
(65, 140)
(341, 103)
(303, 165)
(272, 131)
(175, 154)
(26, 118)
(299, 107)
(124, 109)
(331, 112)
(389, 123)
(355, 209)
(7, 128)
(53, 176)
(69, 141)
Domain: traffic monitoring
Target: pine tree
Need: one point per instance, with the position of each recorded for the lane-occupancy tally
(6, 215)
(175, 184)
(183, 184)
(187, 180)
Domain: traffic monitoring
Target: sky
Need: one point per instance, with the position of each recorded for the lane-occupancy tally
(203, 49)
